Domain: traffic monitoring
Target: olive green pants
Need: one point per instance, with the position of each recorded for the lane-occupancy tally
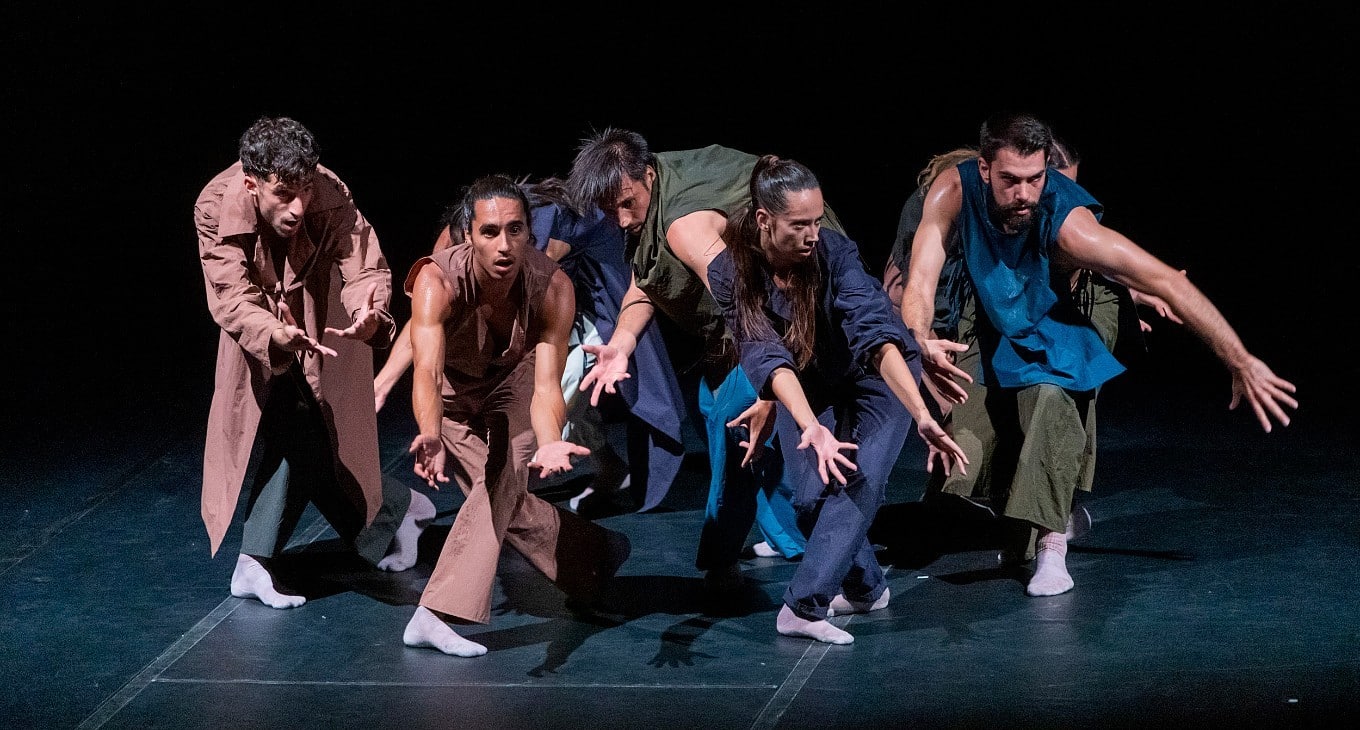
(1029, 449)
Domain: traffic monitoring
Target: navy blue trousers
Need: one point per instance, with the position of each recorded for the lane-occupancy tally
(835, 517)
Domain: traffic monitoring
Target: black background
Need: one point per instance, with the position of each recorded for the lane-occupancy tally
(1222, 143)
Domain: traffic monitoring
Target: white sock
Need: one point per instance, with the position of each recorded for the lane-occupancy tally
(405, 544)
(841, 606)
(574, 503)
(1050, 567)
(252, 580)
(791, 624)
(763, 550)
(426, 630)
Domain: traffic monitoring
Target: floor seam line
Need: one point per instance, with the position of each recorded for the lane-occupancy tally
(783, 698)
(129, 691)
(152, 671)
(441, 685)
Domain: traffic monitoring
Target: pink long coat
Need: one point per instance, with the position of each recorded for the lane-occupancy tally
(243, 294)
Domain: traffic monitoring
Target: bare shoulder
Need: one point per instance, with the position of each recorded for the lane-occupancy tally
(692, 235)
(946, 192)
(561, 293)
(696, 239)
(428, 284)
(1081, 229)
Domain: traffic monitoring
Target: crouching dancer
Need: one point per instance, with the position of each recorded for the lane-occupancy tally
(285, 253)
(816, 331)
(490, 323)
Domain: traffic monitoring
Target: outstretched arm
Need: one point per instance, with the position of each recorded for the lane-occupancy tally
(891, 365)
(431, 301)
(830, 460)
(398, 359)
(547, 409)
(366, 320)
(942, 206)
(611, 359)
(1108, 252)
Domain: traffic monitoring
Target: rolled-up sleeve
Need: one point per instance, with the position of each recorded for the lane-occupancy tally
(760, 356)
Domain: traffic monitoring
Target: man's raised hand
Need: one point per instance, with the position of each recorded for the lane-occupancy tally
(293, 338)
(365, 320)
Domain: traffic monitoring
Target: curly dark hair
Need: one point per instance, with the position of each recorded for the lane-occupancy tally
(282, 147)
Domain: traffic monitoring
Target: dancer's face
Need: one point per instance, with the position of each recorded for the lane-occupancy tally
(635, 196)
(789, 238)
(1016, 182)
(279, 205)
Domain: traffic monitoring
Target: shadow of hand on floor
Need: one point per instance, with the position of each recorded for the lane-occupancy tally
(627, 598)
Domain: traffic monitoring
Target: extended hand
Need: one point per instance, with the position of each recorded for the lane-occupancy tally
(365, 320)
(429, 451)
(611, 366)
(758, 425)
(293, 338)
(940, 446)
(937, 362)
(829, 456)
(555, 457)
(1264, 390)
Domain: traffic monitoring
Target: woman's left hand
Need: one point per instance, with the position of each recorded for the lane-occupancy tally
(829, 456)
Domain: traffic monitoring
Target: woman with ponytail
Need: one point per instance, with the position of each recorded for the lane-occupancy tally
(817, 333)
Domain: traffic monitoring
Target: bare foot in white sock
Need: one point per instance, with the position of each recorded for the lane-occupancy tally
(574, 503)
(763, 550)
(405, 543)
(426, 630)
(842, 606)
(1050, 567)
(251, 580)
(791, 624)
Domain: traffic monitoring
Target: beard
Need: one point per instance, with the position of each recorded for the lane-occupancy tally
(1008, 217)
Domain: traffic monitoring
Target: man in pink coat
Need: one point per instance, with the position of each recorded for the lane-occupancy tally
(285, 253)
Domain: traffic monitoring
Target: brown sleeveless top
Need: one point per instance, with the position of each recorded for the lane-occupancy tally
(472, 357)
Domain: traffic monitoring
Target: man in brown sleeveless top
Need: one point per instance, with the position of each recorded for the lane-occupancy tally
(490, 323)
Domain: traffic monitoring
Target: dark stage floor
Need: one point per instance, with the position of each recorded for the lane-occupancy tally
(1217, 587)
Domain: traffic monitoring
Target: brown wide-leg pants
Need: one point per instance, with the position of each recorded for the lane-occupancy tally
(489, 438)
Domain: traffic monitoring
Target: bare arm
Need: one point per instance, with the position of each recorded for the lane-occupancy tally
(431, 306)
(1110, 253)
(398, 359)
(942, 205)
(890, 364)
(696, 239)
(830, 460)
(611, 359)
(547, 409)
(556, 249)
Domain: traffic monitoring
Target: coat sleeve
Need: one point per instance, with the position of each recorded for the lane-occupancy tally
(761, 353)
(862, 307)
(362, 264)
(235, 300)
